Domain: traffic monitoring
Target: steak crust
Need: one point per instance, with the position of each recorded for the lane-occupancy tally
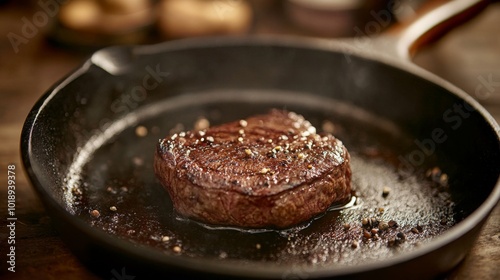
(268, 171)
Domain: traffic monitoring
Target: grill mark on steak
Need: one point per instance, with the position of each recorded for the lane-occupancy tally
(268, 170)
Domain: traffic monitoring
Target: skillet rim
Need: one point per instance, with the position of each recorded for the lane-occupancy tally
(215, 267)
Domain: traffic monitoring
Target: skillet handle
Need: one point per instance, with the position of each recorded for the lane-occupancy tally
(431, 21)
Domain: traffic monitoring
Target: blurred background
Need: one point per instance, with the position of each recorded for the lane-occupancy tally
(78, 27)
(83, 24)
(44, 40)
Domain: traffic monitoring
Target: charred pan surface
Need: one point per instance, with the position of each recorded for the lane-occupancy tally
(268, 171)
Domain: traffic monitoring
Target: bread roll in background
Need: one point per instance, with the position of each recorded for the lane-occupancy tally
(189, 18)
(106, 16)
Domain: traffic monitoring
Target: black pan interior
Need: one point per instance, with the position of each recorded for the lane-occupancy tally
(88, 153)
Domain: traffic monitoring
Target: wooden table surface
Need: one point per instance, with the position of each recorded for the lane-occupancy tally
(468, 57)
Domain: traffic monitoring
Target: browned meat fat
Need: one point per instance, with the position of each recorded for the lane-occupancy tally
(268, 171)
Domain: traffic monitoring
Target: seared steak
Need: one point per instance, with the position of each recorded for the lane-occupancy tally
(268, 171)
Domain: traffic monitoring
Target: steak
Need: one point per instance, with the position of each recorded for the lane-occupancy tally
(268, 171)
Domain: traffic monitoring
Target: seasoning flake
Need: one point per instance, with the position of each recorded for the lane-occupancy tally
(177, 249)
(95, 213)
(141, 131)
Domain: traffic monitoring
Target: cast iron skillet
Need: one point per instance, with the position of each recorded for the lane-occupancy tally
(88, 144)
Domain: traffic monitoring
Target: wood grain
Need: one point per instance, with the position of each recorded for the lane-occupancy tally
(462, 57)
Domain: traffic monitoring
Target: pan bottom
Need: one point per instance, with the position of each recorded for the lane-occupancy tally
(112, 186)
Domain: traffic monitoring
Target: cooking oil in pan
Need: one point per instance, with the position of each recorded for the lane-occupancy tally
(353, 203)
